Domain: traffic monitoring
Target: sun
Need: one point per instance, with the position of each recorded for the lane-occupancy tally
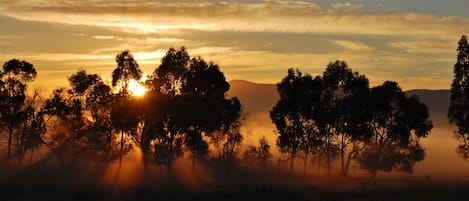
(136, 89)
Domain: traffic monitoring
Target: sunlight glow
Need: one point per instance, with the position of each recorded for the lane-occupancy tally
(136, 89)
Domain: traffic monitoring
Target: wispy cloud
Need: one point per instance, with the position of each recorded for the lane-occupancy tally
(423, 46)
(247, 38)
(355, 46)
(103, 37)
(271, 16)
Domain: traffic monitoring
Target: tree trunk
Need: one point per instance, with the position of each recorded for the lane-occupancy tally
(122, 140)
(31, 158)
(292, 161)
(193, 162)
(342, 153)
(347, 165)
(10, 136)
(319, 164)
(305, 163)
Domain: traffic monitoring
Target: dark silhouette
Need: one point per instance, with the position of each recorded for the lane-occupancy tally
(313, 113)
(293, 114)
(81, 118)
(258, 157)
(342, 114)
(126, 70)
(14, 78)
(192, 105)
(333, 120)
(337, 114)
(458, 110)
(397, 124)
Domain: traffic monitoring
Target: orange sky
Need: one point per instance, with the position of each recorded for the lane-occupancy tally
(410, 42)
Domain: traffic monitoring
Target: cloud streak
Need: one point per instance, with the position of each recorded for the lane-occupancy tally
(247, 38)
(273, 16)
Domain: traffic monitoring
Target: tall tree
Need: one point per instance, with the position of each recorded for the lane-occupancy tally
(458, 112)
(99, 102)
(204, 88)
(173, 67)
(126, 70)
(190, 106)
(31, 132)
(293, 115)
(398, 122)
(14, 79)
(64, 114)
(343, 114)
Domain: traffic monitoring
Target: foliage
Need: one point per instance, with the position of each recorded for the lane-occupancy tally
(459, 101)
(15, 113)
(337, 113)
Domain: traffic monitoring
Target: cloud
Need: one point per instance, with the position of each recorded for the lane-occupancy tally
(345, 7)
(354, 46)
(423, 46)
(246, 39)
(103, 37)
(147, 17)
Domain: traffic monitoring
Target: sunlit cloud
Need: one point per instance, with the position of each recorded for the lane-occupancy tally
(273, 16)
(423, 46)
(345, 7)
(353, 46)
(246, 39)
(103, 37)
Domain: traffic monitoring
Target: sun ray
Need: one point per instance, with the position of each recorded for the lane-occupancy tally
(136, 89)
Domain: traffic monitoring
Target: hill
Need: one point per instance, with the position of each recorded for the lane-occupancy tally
(255, 98)
(260, 98)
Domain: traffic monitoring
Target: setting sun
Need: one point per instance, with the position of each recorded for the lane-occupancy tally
(136, 89)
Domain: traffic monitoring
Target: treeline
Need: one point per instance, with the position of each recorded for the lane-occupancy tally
(185, 105)
(337, 116)
(333, 119)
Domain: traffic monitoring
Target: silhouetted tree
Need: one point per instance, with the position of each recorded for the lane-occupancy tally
(258, 156)
(191, 105)
(81, 82)
(14, 79)
(342, 113)
(31, 131)
(83, 115)
(398, 122)
(64, 116)
(458, 112)
(173, 67)
(264, 154)
(293, 115)
(204, 88)
(321, 114)
(99, 102)
(230, 140)
(124, 118)
(126, 70)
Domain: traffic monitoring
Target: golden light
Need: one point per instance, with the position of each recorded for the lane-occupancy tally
(136, 89)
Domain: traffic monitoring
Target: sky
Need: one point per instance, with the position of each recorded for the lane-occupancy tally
(412, 42)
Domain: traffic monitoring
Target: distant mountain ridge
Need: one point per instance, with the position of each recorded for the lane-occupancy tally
(260, 98)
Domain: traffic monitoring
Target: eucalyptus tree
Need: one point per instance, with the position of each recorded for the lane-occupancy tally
(322, 114)
(343, 116)
(127, 69)
(204, 87)
(186, 105)
(31, 132)
(398, 122)
(14, 78)
(64, 117)
(294, 114)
